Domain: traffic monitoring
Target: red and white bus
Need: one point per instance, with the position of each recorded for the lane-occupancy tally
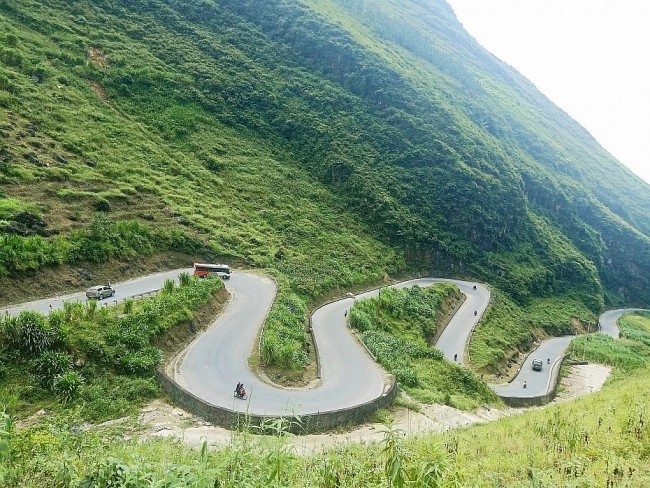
(203, 269)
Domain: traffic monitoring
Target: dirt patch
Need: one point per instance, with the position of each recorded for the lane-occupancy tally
(98, 57)
(97, 88)
(581, 380)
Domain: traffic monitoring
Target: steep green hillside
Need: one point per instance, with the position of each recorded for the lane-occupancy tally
(330, 141)
(273, 128)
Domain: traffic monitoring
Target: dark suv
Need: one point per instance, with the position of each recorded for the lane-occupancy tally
(537, 364)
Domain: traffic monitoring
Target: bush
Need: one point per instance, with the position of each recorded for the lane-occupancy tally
(32, 333)
(143, 362)
(128, 306)
(51, 365)
(66, 386)
(168, 287)
(184, 279)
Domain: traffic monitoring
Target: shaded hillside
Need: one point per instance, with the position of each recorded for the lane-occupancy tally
(326, 139)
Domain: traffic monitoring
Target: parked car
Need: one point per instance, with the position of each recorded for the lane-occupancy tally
(537, 364)
(100, 291)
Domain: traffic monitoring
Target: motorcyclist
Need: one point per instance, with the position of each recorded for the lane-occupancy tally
(475, 313)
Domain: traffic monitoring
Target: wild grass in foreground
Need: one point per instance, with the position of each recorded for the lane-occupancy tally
(598, 440)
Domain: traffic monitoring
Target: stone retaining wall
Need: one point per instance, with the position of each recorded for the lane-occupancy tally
(304, 424)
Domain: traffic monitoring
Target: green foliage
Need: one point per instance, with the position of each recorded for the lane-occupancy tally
(283, 342)
(630, 352)
(396, 327)
(128, 306)
(101, 241)
(118, 362)
(507, 327)
(67, 386)
(141, 362)
(30, 332)
(50, 365)
(6, 432)
(184, 279)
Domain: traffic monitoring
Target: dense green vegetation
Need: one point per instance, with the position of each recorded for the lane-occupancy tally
(98, 362)
(99, 242)
(507, 329)
(399, 327)
(598, 440)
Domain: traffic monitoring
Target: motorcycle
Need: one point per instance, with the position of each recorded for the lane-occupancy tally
(241, 394)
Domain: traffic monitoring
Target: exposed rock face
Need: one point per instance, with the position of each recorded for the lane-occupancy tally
(27, 224)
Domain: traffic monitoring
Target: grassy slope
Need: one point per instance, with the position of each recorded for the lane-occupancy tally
(227, 185)
(399, 328)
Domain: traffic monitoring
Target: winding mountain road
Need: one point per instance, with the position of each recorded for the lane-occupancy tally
(217, 360)
(211, 366)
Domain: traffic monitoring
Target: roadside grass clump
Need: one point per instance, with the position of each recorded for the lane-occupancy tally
(397, 327)
(51, 365)
(283, 342)
(30, 332)
(66, 386)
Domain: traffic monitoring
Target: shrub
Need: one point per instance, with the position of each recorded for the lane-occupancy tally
(128, 306)
(34, 335)
(51, 365)
(184, 279)
(168, 287)
(67, 386)
(90, 309)
(142, 362)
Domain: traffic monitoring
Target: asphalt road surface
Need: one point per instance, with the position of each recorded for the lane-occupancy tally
(124, 290)
(538, 383)
(609, 320)
(218, 359)
(212, 365)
